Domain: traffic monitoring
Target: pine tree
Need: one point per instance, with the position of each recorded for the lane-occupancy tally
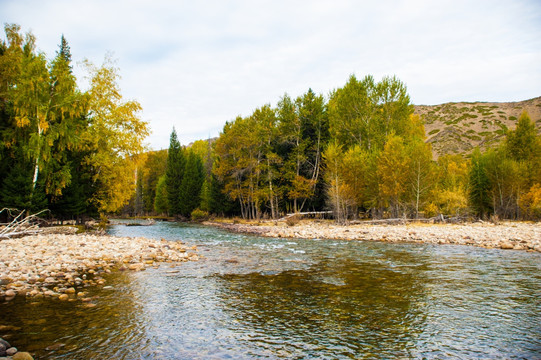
(192, 181)
(174, 174)
(220, 203)
(64, 51)
(161, 204)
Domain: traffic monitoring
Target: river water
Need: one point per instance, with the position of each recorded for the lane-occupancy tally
(253, 297)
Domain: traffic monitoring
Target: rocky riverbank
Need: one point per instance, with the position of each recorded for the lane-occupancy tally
(505, 235)
(63, 266)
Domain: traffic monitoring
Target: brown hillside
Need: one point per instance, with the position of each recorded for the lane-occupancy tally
(456, 128)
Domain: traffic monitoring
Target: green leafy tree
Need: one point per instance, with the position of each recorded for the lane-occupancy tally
(315, 134)
(338, 192)
(192, 182)
(355, 165)
(161, 202)
(523, 142)
(479, 185)
(393, 171)
(450, 192)
(220, 203)
(366, 113)
(47, 108)
(152, 168)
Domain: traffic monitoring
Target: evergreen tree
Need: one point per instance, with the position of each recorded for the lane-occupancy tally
(174, 174)
(18, 191)
(221, 203)
(64, 51)
(192, 181)
(161, 203)
(75, 199)
(205, 195)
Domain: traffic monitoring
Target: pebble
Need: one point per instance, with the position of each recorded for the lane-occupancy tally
(22, 356)
(54, 264)
(505, 235)
(7, 350)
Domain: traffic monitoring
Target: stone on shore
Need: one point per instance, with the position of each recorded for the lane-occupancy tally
(57, 265)
(505, 235)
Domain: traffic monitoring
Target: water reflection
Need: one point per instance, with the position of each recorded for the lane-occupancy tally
(340, 306)
(253, 297)
(54, 329)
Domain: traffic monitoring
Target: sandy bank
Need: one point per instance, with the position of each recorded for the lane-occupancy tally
(506, 235)
(62, 266)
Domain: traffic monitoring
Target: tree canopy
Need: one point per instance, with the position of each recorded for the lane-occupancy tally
(63, 148)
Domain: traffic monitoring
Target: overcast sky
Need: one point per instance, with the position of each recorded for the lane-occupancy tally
(196, 64)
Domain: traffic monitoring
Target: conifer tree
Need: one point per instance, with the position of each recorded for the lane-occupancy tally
(174, 174)
(192, 181)
(161, 203)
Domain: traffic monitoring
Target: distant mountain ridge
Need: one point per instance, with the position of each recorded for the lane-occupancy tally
(457, 128)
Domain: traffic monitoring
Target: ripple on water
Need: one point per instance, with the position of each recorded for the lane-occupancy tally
(252, 297)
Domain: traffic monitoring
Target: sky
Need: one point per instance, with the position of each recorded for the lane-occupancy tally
(194, 65)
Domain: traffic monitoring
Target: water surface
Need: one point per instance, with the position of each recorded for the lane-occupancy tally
(253, 297)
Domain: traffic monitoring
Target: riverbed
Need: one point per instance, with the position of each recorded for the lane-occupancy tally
(257, 297)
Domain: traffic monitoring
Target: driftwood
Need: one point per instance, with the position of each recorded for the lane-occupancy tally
(308, 213)
(436, 219)
(21, 225)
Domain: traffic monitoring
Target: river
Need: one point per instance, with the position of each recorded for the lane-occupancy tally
(252, 297)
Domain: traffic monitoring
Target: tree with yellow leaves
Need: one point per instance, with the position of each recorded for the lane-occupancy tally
(114, 138)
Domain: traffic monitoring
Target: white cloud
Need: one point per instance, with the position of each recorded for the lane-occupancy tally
(195, 65)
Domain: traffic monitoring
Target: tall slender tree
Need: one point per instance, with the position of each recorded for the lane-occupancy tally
(174, 172)
(192, 182)
(479, 185)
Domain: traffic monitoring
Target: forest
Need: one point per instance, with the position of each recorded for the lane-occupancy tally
(359, 152)
(70, 151)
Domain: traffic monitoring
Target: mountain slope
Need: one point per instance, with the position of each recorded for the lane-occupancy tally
(456, 128)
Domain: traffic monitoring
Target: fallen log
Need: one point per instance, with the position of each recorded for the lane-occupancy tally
(21, 225)
(307, 213)
(401, 221)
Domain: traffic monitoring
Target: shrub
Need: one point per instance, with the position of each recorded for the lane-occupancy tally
(199, 215)
(293, 220)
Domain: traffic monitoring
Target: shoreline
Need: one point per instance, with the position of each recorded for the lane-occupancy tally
(506, 235)
(63, 266)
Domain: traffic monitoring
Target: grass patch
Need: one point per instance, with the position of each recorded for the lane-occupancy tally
(435, 131)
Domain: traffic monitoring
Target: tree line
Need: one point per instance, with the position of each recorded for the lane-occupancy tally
(360, 152)
(61, 148)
